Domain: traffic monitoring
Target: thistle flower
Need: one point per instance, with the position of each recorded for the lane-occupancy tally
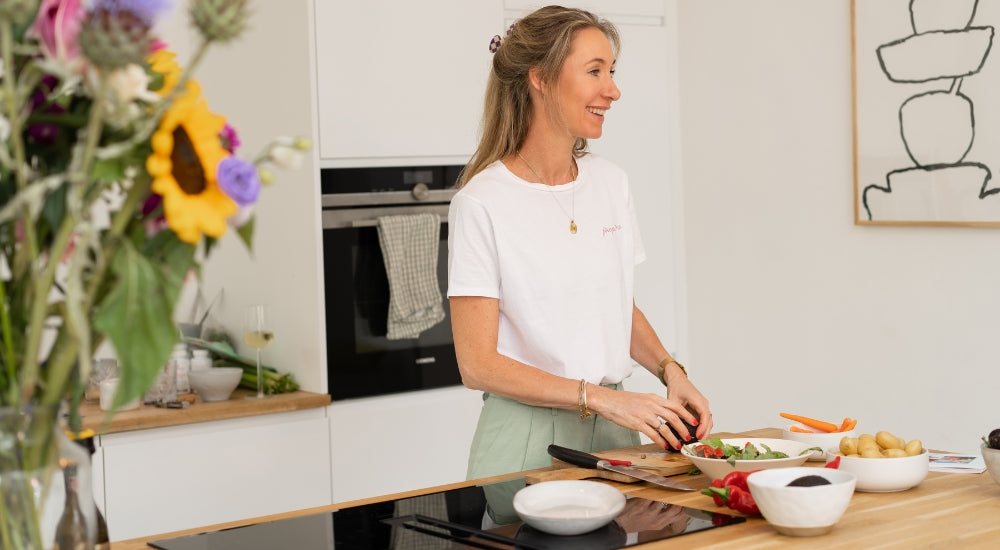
(18, 12)
(219, 20)
(113, 37)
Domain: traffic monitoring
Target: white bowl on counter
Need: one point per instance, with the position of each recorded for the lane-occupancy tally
(885, 475)
(823, 440)
(216, 383)
(568, 507)
(802, 511)
(715, 468)
(992, 459)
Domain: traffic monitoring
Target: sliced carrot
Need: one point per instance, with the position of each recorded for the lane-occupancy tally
(800, 430)
(850, 425)
(812, 422)
(843, 425)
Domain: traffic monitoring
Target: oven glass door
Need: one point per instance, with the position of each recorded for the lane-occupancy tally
(361, 361)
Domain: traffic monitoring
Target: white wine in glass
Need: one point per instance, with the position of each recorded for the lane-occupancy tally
(257, 334)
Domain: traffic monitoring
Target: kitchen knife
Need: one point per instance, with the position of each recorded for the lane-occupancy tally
(587, 460)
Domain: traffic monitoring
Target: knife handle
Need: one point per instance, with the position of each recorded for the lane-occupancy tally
(574, 457)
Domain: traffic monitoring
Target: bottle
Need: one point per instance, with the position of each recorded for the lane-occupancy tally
(71, 531)
(85, 440)
(201, 360)
(182, 366)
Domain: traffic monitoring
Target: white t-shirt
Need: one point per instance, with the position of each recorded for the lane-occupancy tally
(565, 299)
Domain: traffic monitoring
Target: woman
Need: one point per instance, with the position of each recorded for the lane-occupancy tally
(542, 247)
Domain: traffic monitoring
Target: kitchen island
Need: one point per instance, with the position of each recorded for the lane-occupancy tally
(946, 510)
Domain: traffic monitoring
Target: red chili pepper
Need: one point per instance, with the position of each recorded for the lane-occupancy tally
(742, 501)
(834, 464)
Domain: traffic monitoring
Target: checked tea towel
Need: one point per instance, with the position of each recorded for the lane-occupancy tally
(410, 250)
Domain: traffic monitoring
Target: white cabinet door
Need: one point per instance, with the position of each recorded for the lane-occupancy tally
(398, 78)
(181, 477)
(396, 443)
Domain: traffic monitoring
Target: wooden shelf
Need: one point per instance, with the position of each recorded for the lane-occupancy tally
(149, 416)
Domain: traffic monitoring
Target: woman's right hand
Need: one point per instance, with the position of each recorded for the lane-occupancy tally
(642, 412)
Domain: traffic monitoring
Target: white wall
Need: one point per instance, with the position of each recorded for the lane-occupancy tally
(792, 307)
(262, 83)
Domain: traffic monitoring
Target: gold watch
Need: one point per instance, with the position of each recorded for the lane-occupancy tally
(663, 368)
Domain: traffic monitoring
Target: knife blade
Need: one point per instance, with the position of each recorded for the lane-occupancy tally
(587, 460)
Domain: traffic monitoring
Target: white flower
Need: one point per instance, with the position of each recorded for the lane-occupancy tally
(130, 83)
(241, 216)
(286, 157)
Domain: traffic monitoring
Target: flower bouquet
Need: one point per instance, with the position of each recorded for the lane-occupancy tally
(116, 180)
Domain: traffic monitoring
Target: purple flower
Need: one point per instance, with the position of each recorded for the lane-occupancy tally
(238, 180)
(146, 10)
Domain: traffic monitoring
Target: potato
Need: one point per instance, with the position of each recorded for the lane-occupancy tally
(888, 441)
(870, 452)
(914, 447)
(849, 445)
(895, 453)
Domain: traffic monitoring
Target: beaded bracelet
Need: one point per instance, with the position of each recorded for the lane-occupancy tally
(584, 411)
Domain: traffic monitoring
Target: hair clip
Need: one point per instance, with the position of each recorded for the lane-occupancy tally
(497, 40)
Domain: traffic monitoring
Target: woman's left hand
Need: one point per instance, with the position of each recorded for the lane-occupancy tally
(680, 388)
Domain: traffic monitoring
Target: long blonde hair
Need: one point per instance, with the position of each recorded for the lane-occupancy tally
(541, 39)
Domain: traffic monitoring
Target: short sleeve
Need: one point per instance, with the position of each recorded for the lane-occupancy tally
(473, 264)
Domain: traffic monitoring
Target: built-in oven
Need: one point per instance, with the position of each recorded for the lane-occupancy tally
(361, 360)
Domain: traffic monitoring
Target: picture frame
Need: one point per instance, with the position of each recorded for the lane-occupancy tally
(926, 107)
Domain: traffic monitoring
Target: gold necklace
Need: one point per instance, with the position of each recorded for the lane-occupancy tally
(572, 168)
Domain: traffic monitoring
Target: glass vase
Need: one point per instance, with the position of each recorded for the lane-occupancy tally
(30, 504)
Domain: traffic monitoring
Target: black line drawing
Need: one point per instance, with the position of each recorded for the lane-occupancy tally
(937, 127)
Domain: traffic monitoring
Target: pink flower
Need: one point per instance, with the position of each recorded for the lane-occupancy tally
(56, 27)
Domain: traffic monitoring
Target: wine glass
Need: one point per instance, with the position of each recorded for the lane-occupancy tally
(257, 333)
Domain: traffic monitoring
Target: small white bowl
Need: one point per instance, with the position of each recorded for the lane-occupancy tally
(992, 459)
(216, 383)
(822, 440)
(801, 511)
(715, 468)
(568, 507)
(885, 475)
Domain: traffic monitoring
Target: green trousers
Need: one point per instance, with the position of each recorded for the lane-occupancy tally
(512, 437)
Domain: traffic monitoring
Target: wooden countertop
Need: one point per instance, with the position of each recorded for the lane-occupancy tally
(946, 510)
(237, 406)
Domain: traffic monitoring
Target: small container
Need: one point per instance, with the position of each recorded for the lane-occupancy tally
(201, 360)
(182, 366)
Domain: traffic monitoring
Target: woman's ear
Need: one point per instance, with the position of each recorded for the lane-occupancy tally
(535, 79)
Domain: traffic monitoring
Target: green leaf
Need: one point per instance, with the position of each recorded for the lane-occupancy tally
(137, 315)
(245, 232)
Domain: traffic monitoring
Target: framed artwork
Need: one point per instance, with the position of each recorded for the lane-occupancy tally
(926, 112)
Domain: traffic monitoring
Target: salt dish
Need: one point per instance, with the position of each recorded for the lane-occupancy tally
(568, 507)
(823, 440)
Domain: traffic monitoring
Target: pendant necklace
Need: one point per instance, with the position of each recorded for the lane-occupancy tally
(572, 220)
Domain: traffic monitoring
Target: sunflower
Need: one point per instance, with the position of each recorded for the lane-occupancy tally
(186, 154)
(164, 63)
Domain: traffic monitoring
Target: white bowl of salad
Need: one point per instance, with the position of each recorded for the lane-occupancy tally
(717, 457)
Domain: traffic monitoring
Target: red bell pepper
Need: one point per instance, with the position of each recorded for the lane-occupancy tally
(834, 464)
(733, 492)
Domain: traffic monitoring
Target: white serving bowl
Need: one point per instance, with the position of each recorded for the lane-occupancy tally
(715, 468)
(216, 383)
(992, 459)
(822, 440)
(885, 475)
(801, 511)
(568, 507)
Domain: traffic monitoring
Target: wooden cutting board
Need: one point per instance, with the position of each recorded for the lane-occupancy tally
(666, 464)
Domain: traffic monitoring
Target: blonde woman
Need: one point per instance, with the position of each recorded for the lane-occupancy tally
(543, 241)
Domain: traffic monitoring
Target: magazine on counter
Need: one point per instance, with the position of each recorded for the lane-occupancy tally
(957, 463)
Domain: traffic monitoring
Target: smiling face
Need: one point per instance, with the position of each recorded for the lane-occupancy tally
(586, 87)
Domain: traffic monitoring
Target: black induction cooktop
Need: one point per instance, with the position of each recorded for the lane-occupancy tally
(448, 519)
